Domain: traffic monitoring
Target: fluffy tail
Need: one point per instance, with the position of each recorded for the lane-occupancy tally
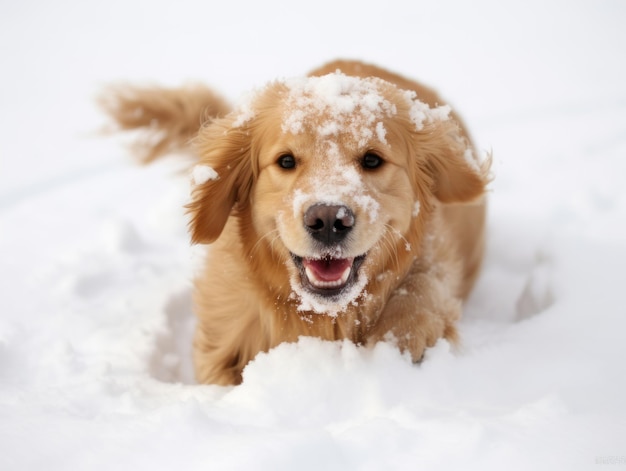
(166, 118)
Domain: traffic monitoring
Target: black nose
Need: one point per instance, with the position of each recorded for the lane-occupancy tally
(329, 224)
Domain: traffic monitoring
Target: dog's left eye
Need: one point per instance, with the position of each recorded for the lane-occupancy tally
(371, 161)
(286, 161)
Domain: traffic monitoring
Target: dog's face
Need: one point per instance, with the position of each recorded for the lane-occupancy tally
(329, 174)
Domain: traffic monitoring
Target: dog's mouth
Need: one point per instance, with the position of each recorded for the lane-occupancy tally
(327, 276)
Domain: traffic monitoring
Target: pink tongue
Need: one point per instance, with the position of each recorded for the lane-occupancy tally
(328, 269)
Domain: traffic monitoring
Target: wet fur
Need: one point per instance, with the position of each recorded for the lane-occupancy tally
(243, 297)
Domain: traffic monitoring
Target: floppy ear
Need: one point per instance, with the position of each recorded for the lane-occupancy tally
(226, 150)
(457, 175)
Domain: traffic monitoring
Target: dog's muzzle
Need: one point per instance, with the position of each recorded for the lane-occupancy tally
(330, 273)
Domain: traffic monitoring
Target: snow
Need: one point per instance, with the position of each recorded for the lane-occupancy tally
(331, 186)
(96, 321)
(420, 113)
(201, 174)
(244, 108)
(355, 107)
(381, 132)
(321, 305)
(417, 206)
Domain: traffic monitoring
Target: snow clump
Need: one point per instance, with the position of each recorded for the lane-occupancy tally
(354, 105)
(202, 174)
(332, 188)
(416, 208)
(245, 109)
(309, 302)
(420, 113)
(347, 104)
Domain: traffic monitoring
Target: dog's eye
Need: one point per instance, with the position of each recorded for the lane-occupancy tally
(287, 161)
(371, 161)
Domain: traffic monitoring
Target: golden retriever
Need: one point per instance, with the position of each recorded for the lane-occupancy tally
(347, 204)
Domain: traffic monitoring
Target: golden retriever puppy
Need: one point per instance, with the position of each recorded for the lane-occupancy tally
(348, 204)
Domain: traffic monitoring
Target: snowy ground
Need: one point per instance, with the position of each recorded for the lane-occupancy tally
(95, 315)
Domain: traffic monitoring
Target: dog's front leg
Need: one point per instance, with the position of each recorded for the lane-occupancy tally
(421, 310)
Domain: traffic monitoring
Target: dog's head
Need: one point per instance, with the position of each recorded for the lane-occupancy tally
(329, 175)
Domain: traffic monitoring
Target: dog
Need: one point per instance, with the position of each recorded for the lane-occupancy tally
(346, 204)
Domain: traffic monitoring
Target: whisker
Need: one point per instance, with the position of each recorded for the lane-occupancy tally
(399, 235)
(391, 245)
(274, 239)
(273, 234)
(392, 249)
(388, 250)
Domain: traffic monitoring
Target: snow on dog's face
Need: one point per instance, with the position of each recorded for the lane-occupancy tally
(326, 176)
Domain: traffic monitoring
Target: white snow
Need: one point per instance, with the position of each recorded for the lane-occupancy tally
(332, 185)
(95, 299)
(472, 160)
(381, 132)
(202, 174)
(320, 305)
(244, 109)
(420, 113)
(417, 206)
(354, 105)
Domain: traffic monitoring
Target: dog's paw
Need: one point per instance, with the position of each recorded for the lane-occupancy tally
(414, 341)
(413, 329)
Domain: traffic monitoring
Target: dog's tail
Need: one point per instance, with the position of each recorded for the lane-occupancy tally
(166, 118)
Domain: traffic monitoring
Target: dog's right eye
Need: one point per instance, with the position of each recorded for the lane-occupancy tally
(286, 161)
(371, 161)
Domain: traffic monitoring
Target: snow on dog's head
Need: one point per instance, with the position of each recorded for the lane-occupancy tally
(323, 175)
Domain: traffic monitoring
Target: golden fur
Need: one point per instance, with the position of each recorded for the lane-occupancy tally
(415, 223)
